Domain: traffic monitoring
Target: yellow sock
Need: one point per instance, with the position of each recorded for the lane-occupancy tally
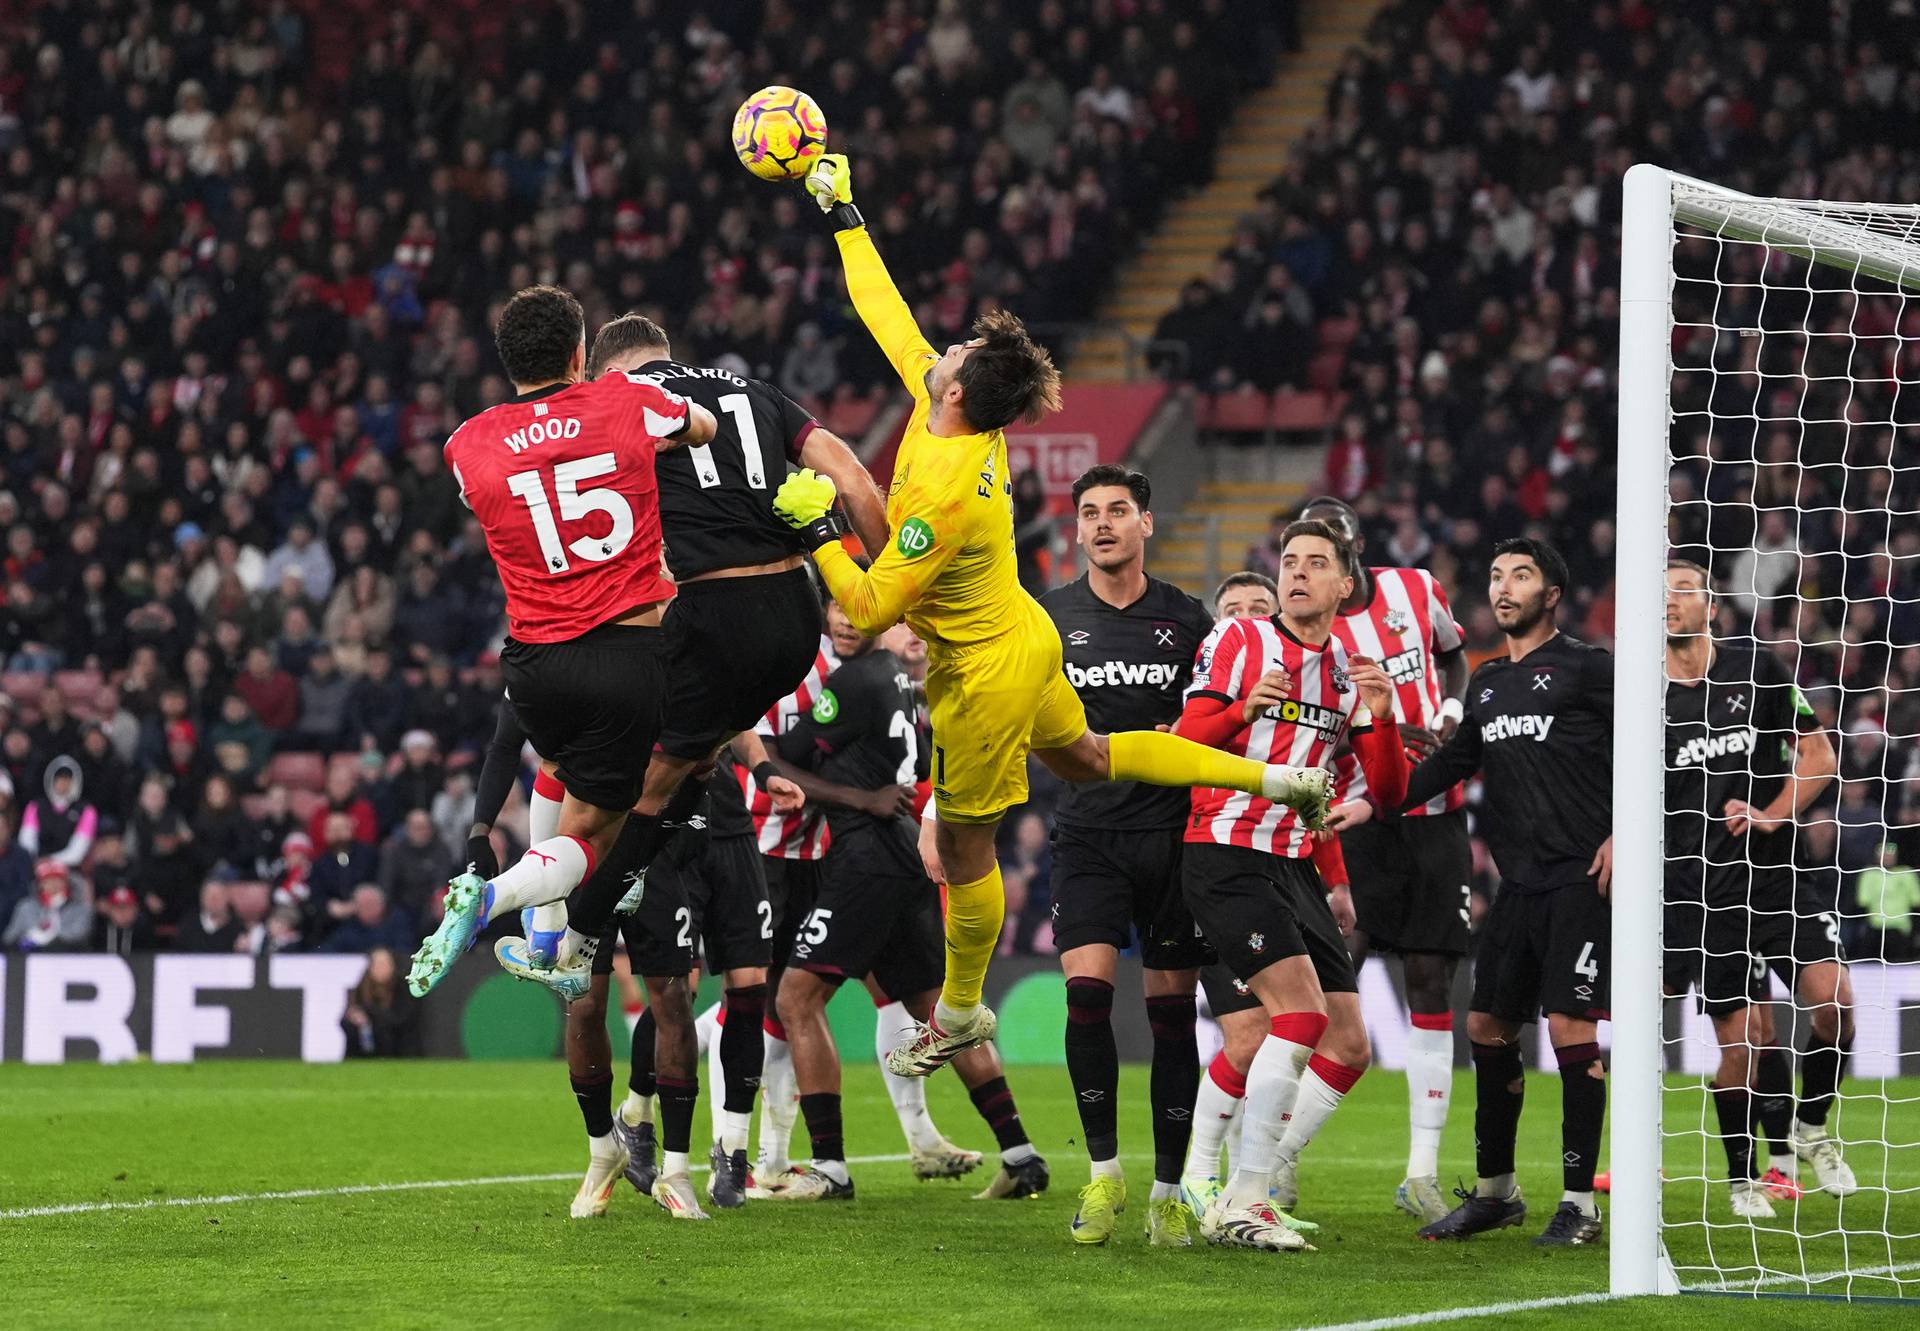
(1161, 759)
(975, 912)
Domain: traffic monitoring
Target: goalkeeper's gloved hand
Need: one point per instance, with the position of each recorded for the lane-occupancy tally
(804, 501)
(831, 185)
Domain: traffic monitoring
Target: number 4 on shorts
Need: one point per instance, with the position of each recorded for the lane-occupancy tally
(1586, 965)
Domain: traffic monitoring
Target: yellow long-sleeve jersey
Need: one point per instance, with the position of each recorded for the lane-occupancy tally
(949, 569)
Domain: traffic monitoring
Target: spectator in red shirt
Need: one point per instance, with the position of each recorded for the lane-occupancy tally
(272, 693)
(343, 796)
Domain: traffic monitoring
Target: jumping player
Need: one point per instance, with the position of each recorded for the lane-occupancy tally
(561, 478)
(1130, 640)
(994, 681)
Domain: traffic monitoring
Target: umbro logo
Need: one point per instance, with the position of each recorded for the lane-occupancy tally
(1079, 638)
(1486, 695)
(1093, 1096)
(1177, 1113)
(1570, 1158)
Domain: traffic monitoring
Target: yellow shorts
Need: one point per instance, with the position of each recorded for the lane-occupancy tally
(993, 702)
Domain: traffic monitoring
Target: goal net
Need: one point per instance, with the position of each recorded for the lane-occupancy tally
(1770, 434)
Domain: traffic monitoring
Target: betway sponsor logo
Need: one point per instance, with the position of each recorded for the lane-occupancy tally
(1708, 747)
(1159, 674)
(542, 431)
(1534, 728)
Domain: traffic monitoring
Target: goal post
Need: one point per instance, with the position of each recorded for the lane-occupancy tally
(1761, 335)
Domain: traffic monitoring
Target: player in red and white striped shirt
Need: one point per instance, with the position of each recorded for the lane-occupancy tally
(1282, 689)
(1411, 872)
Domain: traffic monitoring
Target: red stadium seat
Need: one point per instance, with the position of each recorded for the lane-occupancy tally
(1335, 334)
(1300, 413)
(78, 687)
(298, 771)
(22, 687)
(1243, 411)
(1325, 369)
(303, 802)
(852, 417)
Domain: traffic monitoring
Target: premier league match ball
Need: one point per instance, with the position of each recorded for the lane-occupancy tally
(779, 133)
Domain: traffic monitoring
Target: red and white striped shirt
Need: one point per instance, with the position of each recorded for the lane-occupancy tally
(789, 836)
(1404, 627)
(1303, 730)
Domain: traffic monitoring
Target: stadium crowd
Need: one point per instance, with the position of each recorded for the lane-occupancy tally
(252, 256)
(1442, 253)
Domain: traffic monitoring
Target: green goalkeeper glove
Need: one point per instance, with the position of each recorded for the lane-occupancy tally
(831, 185)
(804, 502)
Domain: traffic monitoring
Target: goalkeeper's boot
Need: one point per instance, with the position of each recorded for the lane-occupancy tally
(571, 979)
(727, 1179)
(1422, 1199)
(1570, 1228)
(1813, 1144)
(1015, 1183)
(1255, 1226)
(639, 1140)
(1101, 1203)
(468, 898)
(815, 1184)
(543, 945)
(1750, 1200)
(928, 1048)
(674, 1194)
(1477, 1215)
(944, 1160)
(605, 1164)
(1780, 1185)
(1170, 1223)
(1308, 791)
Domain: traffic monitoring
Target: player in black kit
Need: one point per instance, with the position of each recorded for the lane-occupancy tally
(1745, 754)
(745, 626)
(1539, 729)
(859, 755)
(1130, 641)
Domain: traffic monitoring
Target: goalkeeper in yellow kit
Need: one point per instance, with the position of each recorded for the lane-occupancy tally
(994, 680)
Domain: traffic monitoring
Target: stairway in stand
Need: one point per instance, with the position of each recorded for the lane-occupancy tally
(1208, 538)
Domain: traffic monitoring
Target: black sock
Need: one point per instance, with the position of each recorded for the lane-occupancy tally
(1821, 1068)
(743, 1046)
(1500, 1089)
(1583, 1107)
(1176, 1081)
(1773, 1101)
(1093, 1062)
(994, 1100)
(596, 1102)
(677, 1099)
(1734, 1107)
(590, 906)
(822, 1112)
(640, 1076)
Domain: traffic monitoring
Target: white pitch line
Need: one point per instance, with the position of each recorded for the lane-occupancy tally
(350, 1190)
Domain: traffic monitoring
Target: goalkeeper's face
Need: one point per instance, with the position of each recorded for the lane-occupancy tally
(946, 370)
(1520, 594)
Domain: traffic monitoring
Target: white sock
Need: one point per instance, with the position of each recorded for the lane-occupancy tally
(1312, 1107)
(547, 872)
(1429, 1091)
(1273, 1083)
(636, 1109)
(1583, 1200)
(550, 917)
(779, 1108)
(543, 816)
(909, 1094)
(833, 1169)
(708, 1037)
(601, 1148)
(1162, 1191)
(1108, 1169)
(1213, 1112)
(675, 1162)
(1500, 1185)
(951, 1019)
(734, 1129)
(1235, 1129)
(1018, 1155)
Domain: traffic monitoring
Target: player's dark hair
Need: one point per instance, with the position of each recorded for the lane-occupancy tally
(537, 333)
(1706, 579)
(1326, 531)
(1246, 577)
(1009, 377)
(1348, 516)
(1552, 566)
(629, 332)
(1135, 483)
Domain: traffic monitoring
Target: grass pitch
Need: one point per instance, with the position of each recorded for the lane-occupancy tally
(904, 1254)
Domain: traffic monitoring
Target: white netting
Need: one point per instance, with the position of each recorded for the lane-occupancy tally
(1794, 477)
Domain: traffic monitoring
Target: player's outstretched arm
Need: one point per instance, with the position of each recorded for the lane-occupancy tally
(828, 454)
(874, 295)
(877, 597)
(1450, 764)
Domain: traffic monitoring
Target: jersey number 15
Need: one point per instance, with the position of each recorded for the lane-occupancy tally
(574, 503)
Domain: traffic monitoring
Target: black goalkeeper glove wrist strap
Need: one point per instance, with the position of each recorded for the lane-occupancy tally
(825, 529)
(764, 774)
(845, 217)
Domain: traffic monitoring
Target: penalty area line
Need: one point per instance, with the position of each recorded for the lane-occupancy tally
(346, 1190)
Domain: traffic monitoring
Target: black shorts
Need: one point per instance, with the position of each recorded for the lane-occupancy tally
(659, 934)
(1110, 885)
(721, 882)
(793, 889)
(873, 919)
(1412, 882)
(593, 706)
(1725, 953)
(1545, 952)
(739, 645)
(1256, 908)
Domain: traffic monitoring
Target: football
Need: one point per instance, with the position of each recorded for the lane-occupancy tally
(779, 133)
